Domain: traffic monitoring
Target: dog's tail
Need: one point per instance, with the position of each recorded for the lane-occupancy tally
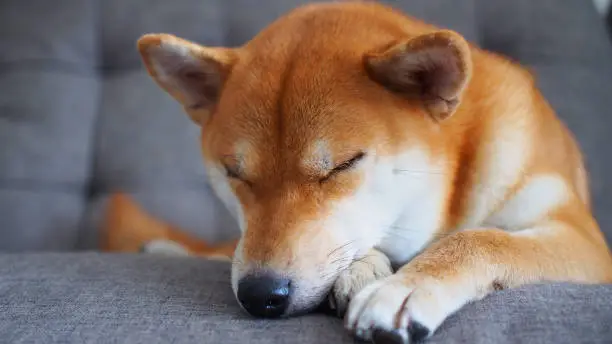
(128, 228)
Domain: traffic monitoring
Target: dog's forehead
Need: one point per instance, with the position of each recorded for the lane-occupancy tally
(293, 108)
(301, 86)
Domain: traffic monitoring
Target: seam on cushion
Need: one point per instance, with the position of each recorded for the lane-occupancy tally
(87, 195)
(110, 70)
(139, 186)
(48, 65)
(64, 67)
(478, 25)
(226, 19)
(596, 68)
(37, 184)
(535, 56)
(12, 114)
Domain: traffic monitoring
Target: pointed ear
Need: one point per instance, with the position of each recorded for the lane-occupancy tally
(433, 67)
(194, 75)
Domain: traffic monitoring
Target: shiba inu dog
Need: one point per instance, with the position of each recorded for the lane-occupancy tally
(383, 161)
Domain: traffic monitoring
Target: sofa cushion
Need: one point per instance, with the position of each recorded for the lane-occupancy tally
(49, 90)
(90, 297)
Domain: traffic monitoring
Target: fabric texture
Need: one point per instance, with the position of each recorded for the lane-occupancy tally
(100, 298)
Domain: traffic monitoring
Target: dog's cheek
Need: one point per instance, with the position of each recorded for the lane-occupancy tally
(359, 214)
(225, 192)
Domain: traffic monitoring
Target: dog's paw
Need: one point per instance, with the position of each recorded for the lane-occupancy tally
(400, 309)
(165, 247)
(362, 272)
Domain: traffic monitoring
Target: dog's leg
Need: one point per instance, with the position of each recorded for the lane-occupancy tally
(466, 266)
(362, 272)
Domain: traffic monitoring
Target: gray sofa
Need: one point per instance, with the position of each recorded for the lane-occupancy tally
(79, 118)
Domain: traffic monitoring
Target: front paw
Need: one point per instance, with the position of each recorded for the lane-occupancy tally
(164, 247)
(362, 272)
(400, 309)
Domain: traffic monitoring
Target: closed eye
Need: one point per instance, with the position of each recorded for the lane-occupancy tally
(232, 172)
(236, 174)
(344, 166)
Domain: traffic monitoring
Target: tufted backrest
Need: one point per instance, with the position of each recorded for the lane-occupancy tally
(80, 118)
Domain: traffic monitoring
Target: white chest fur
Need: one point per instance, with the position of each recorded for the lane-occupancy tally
(419, 184)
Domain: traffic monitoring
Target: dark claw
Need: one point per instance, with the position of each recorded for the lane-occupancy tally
(389, 337)
(417, 331)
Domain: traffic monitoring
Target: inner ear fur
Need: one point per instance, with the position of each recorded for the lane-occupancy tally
(192, 74)
(434, 67)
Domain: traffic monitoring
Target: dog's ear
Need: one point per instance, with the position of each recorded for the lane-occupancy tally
(194, 75)
(433, 67)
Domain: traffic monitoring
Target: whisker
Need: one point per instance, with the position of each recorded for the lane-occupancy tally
(239, 261)
(340, 248)
(340, 260)
(335, 272)
(405, 229)
(360, 259)
(401, 171)
(409, 230)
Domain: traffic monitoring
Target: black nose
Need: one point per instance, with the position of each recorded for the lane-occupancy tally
(264, 296)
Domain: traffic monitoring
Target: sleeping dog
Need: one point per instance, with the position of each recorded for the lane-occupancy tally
(383, 161)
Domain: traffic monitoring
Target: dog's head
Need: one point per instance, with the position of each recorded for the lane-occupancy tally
(304, 130)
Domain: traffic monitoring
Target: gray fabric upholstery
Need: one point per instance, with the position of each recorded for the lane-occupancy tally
(93, 298)
(80, 118)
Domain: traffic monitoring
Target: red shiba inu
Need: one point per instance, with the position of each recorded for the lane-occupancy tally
(383, 161)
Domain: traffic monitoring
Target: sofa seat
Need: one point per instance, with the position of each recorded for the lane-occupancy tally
(91, 297)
